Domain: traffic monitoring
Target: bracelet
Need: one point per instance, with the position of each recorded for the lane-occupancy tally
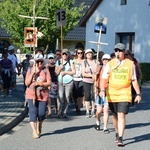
(139, 95)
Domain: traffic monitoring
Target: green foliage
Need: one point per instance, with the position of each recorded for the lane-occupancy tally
(10, 9)
(145, 71)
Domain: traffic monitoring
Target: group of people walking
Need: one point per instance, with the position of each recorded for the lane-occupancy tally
(99, 85)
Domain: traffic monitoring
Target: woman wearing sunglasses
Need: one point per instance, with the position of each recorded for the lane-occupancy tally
(77, 80)
(37, 93)
(65, 70)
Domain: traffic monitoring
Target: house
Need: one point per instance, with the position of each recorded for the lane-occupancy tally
(128, 22)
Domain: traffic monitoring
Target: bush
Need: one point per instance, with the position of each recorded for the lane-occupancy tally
(145, 71)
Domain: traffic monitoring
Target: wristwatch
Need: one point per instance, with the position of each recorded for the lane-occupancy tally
(139, 95)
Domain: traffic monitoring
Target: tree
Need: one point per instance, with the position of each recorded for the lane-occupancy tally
(10, 9)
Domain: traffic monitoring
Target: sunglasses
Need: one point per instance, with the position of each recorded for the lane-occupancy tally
(79, 52)
(118, 50)
(64, 54)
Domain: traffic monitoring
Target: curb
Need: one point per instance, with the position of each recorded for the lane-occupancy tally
(15, 122)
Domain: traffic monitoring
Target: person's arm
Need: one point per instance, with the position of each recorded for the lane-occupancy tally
(135, 84)
(84, 74)
(29, 76)
(71, 72)
(104, 80)
(58, 68)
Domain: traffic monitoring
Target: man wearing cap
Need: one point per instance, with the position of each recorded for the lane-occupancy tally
(120, 73)
(14, 60)
(53, 93)
(65, 70)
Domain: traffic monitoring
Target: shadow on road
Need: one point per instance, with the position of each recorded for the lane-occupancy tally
(137, 139)
(69, 129)
(138, 125)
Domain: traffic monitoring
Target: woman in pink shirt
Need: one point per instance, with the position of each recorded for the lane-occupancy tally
(37, 93)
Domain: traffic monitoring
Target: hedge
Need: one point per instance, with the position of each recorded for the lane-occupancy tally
(145, 68)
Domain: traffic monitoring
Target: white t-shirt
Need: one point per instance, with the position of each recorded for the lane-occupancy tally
(14, 60)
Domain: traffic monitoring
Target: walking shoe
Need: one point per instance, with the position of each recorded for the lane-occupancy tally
(106, 131)
(35, 135)
(60, 115)
(65, 115)
(97, 127)
(87, 115)
(120, 141)
(116, 137)
(93, 115)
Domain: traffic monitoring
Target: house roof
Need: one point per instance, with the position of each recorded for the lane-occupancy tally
(3, 33)
(78, 32)
(89, 12)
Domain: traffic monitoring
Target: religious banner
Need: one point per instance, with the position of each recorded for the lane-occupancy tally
(30, 37)
(101, 22)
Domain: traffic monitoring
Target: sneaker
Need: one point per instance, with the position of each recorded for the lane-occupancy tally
(106, 131)
(116, 138)
(120, 141)
(93, 115)
(60, 115)
(97, 127)
(87, 115)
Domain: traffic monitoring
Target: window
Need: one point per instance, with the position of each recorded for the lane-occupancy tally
(123, 2)
(126, 38)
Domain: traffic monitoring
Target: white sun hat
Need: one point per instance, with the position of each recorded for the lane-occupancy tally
(106, 56)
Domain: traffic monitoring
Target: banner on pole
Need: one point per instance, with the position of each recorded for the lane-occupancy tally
(30, 37)
(101, 22)
(60, 17)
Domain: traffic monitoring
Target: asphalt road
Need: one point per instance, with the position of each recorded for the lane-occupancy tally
(78, 133)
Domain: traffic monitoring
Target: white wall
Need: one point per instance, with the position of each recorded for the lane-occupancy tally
(133, 17)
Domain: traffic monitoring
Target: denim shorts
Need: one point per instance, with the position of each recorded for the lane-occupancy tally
(100, 101)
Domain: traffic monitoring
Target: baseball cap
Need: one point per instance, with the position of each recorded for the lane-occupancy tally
(88, 51)
(38, 57)
(106, 56)
(50, 55)
(120, 46)
(65, 51)
(10, 48)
